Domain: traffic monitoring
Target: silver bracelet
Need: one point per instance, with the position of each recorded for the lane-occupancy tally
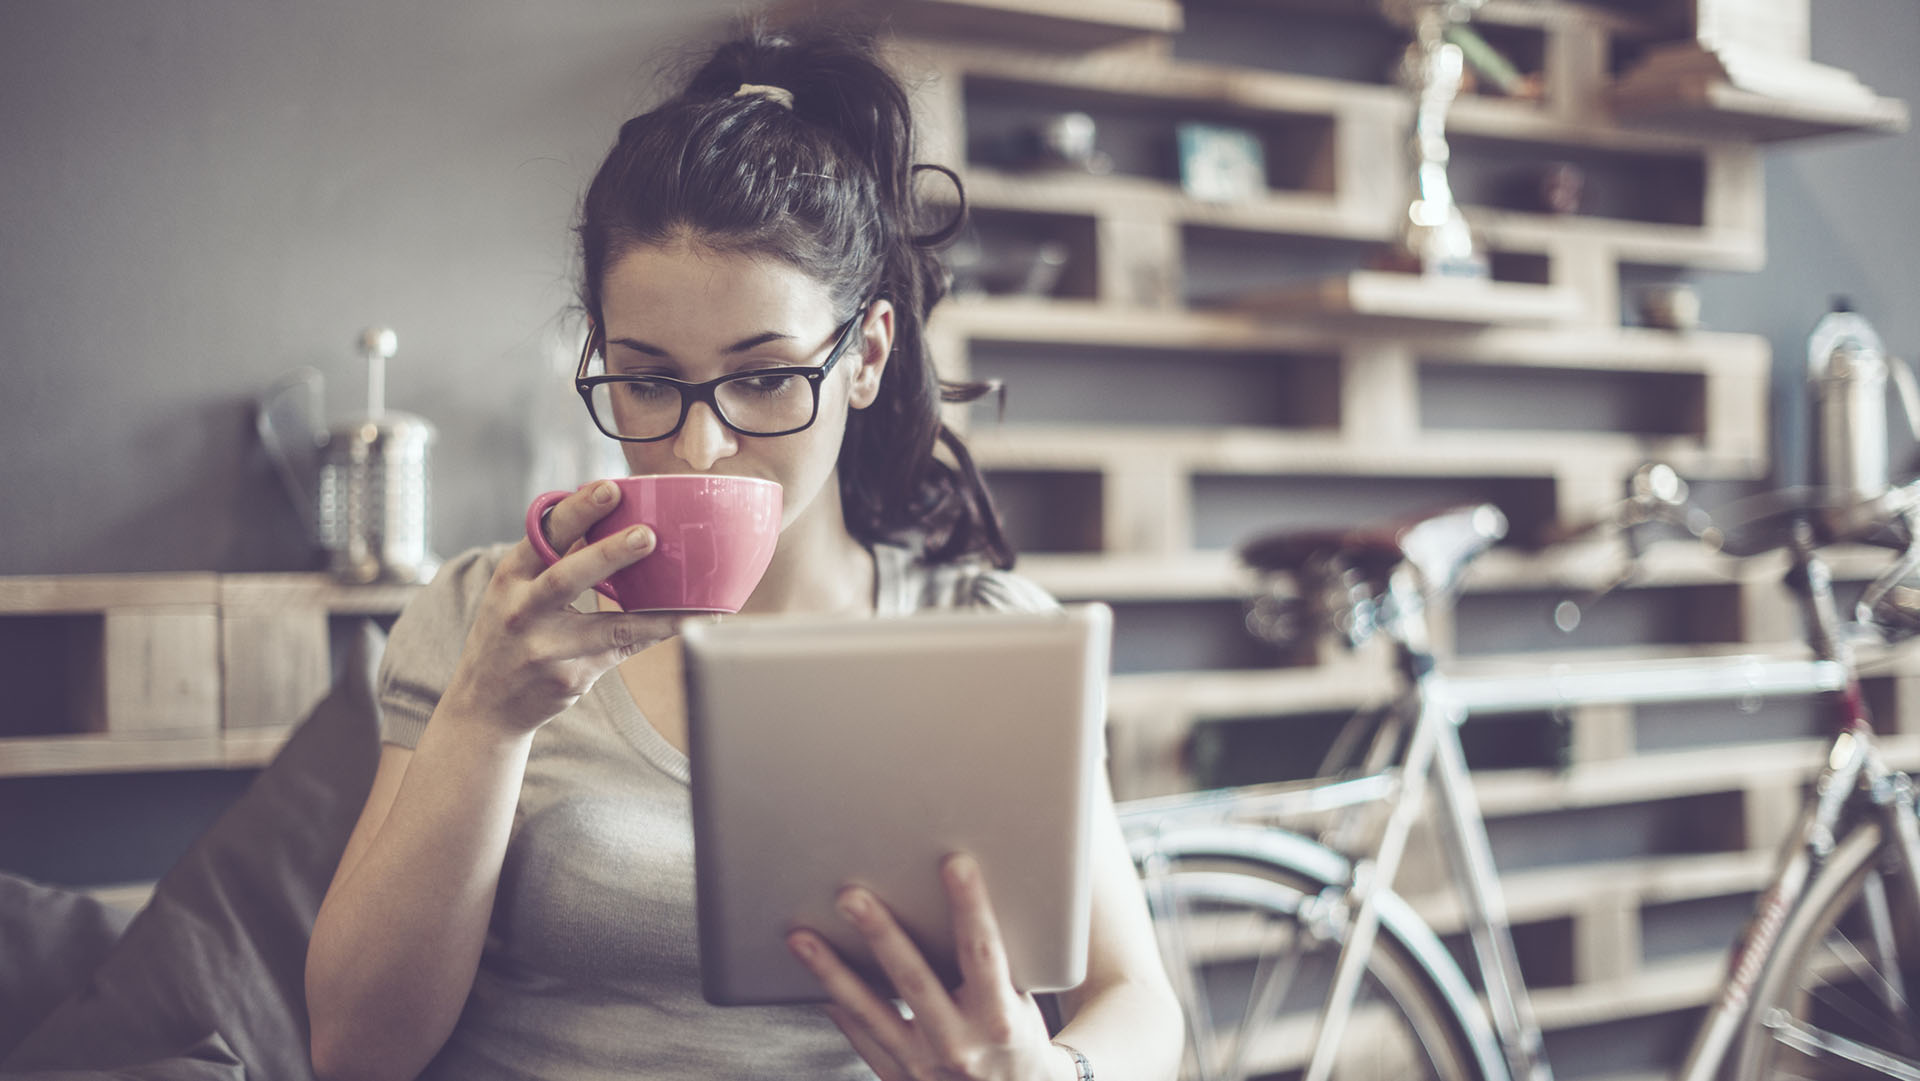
(1083, 1070)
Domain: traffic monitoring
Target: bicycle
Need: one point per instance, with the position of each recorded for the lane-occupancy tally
(1295, 952)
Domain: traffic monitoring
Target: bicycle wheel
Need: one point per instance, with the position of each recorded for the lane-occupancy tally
(1837, 997)
(1252, 947)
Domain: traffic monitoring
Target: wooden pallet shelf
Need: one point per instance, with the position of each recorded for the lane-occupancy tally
(169, 672)
(1386, 406)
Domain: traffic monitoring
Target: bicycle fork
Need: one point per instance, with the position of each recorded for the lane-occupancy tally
(1435, 743)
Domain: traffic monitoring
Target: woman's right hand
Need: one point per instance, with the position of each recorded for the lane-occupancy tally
(530, 654)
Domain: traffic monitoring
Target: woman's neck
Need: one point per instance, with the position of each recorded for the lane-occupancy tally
(818, 567)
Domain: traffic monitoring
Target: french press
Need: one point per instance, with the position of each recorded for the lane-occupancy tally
(362, 486)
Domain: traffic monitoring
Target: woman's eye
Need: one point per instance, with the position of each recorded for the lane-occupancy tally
(648, 392)
(768, 385)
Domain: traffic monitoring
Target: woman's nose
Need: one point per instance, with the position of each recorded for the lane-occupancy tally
(703, 440)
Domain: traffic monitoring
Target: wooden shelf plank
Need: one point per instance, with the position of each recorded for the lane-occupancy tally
(1660, 988)
(1651, 243)
(1553, 892)
(1663, 775)
(1518, 454)
(1203, 575)
(1192, 576)
(89, 593)
(313, 590)
(1723, 111)
(1413, 298)
(1348, 683)
(40, 756)
(1053, 24)
(1019, 319)
(1133, 80)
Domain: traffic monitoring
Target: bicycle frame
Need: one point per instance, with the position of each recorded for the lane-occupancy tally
(1855, 773)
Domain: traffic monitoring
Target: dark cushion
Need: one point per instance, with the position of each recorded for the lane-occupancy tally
(50, 938)
(222, 946)
(209, 1060)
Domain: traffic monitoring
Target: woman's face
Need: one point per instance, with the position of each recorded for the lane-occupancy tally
(683, 310)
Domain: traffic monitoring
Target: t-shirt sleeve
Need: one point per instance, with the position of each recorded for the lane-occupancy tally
(426, 642)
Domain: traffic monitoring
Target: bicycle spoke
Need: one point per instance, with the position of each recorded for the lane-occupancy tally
(1271, 979)
(1880, 921)
(1819, 1043)
(1869, 1015)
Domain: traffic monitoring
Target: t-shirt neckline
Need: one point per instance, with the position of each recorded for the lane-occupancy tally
(892, 596)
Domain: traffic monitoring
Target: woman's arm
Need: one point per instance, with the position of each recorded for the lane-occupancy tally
(1125, 1018)
(397, 941)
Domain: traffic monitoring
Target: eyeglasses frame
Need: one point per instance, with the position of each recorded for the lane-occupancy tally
(693, 393)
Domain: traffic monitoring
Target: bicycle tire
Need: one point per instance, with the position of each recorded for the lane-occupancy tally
(1815, 975)
(1418, 1016)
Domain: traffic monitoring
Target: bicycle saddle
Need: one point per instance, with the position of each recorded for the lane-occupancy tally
(1439, 546)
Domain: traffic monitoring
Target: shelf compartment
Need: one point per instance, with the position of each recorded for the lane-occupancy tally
(1516, 398)
(1413, 298)
(130, 671)
(1291, 213)
(1136, 133)
(1156, 388)
(1021, 253)
(1230, 509)
(1048, 511)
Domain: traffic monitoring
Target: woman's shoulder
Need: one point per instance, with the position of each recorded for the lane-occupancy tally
(968, 583)
(458, 584)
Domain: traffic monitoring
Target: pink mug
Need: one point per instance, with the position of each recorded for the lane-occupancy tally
(714, 536)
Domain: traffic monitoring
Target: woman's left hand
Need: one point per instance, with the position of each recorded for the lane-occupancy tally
(984, 1030)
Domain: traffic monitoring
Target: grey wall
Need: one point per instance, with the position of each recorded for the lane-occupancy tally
(1841, 212)
(198, 195)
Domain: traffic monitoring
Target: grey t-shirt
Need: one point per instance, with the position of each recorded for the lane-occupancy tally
(591, 966)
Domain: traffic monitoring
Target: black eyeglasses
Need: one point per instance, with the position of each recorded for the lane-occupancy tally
(761, 402)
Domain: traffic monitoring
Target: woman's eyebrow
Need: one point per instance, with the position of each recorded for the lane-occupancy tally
(743, 345)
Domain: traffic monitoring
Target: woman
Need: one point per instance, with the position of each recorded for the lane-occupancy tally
(516, 899)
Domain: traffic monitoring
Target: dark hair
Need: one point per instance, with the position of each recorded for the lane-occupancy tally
(826, 184)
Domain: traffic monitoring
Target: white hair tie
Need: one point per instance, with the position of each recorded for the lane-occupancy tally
(779, 95)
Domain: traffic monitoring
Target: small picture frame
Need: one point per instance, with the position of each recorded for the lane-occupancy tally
(1221, 164)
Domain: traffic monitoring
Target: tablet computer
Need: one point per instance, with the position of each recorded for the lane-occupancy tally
(830, 752)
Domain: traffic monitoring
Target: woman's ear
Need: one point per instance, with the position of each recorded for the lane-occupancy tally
(876, 346)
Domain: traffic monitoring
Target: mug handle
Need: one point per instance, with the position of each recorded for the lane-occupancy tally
(537, 535)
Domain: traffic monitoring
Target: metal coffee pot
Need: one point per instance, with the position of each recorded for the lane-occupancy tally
(361, 486)
(1847, 374)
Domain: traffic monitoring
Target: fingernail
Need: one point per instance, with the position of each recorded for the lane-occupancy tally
(802, 946)
(603, 492)
(964, 869)
(854, 906)
(639, 537)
